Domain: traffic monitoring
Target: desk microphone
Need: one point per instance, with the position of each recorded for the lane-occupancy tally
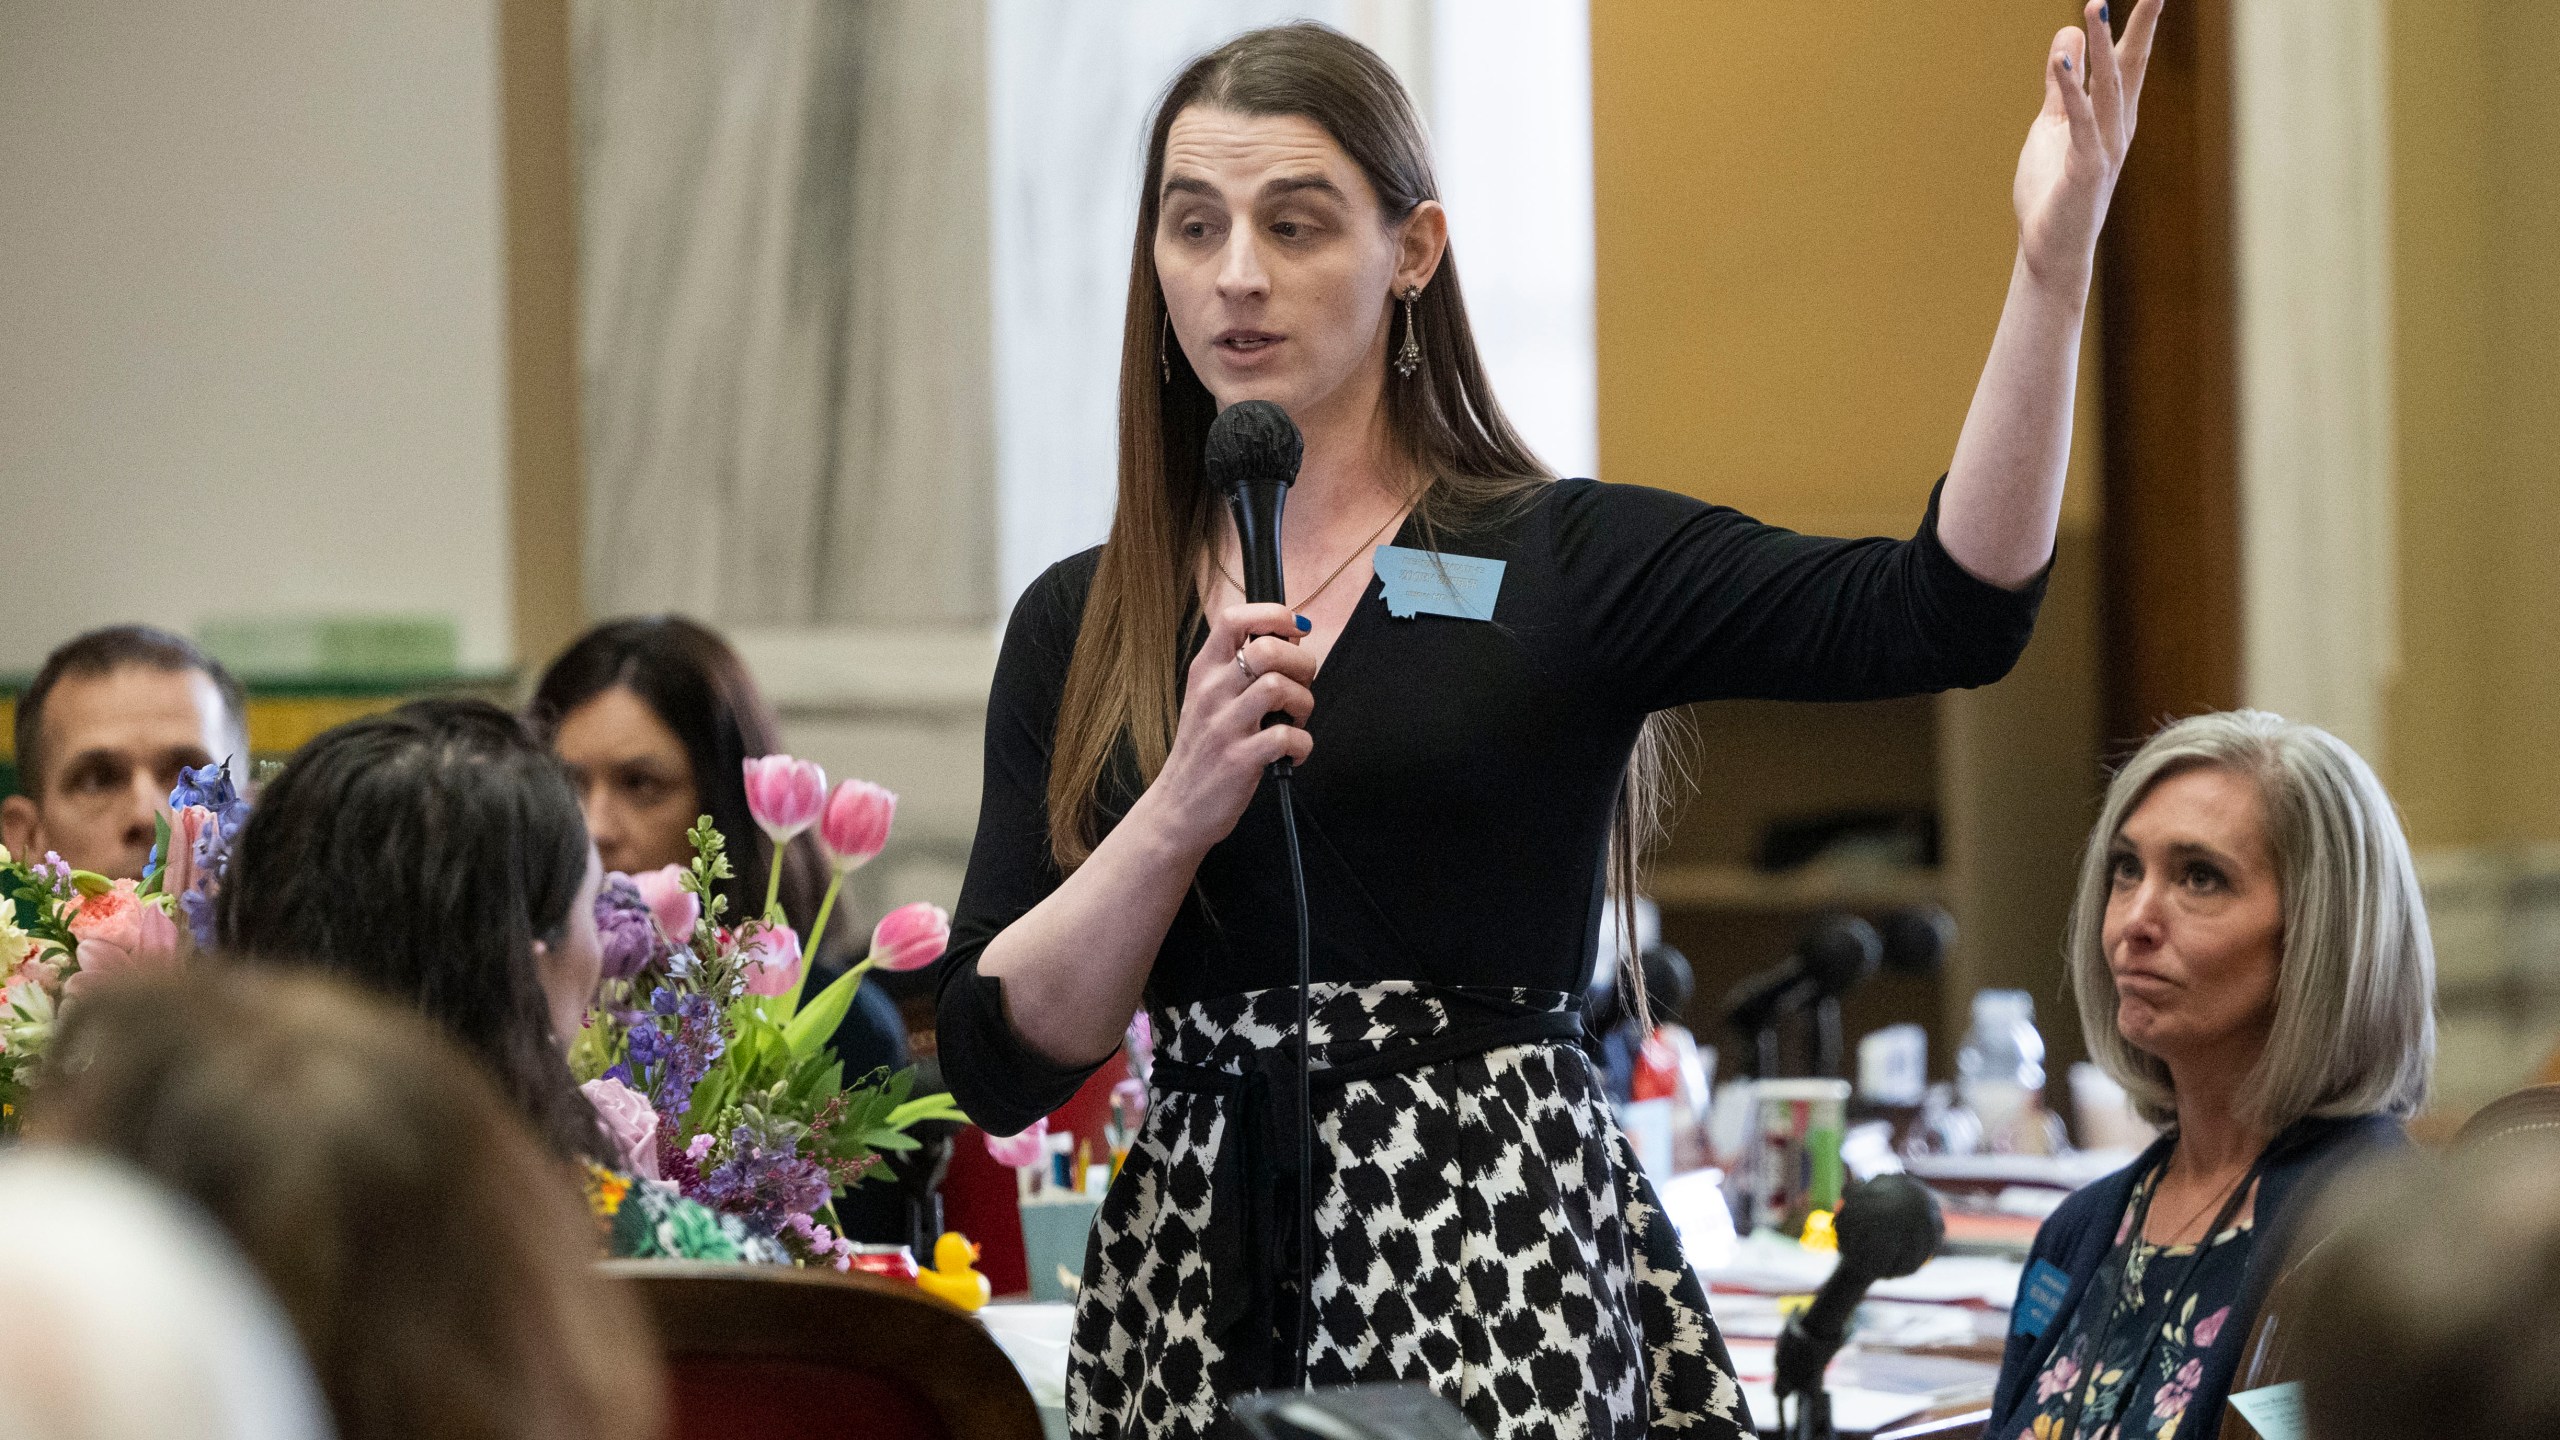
(1835, 955)
(1887, 1227)
(1252, 457)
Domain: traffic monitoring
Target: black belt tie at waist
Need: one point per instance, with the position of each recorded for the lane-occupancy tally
(1255, 1183)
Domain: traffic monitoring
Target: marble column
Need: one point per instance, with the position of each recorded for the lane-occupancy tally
(784, 310)
(2319, 596)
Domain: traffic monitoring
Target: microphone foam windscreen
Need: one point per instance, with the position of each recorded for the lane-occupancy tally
(1840, 951)
(1889, 1226)
(1253, 442)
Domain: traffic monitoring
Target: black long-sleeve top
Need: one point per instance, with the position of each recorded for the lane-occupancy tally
(1455, 810)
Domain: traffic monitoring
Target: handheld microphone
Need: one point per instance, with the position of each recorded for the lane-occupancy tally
(1252, 457)
(1887, 1227)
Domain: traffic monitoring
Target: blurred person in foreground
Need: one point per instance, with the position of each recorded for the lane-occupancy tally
(122, 1313)
(2432, 1307)
(655, 719)
(101, 734)
(2251, 960)
(435, 855)
(436, 1262)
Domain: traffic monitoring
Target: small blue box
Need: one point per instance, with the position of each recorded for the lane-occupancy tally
(1053, 1239)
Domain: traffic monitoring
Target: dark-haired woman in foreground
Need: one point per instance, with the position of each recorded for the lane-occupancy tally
(1463, 787)
(435, 855)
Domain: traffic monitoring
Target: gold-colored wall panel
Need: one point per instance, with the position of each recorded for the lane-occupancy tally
(2476, 204)
(1804, 234)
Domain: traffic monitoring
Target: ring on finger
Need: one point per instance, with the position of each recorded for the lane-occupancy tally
(1250, 674)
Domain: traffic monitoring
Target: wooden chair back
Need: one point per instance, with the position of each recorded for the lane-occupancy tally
(763, 1353)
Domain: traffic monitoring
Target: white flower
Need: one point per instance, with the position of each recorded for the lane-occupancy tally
(26, 1018)
(15, 944)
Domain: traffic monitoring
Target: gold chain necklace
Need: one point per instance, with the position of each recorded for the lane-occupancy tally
(2218, 1199)
(1355, 554)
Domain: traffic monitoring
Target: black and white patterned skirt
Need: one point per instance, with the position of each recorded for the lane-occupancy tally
(1480, 1228)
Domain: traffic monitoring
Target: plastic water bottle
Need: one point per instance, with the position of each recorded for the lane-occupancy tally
(2000, 1067)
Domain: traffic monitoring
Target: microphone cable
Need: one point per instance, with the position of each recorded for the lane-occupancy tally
(1280, 772)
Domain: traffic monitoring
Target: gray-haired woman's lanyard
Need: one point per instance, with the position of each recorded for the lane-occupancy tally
(2141, 1215)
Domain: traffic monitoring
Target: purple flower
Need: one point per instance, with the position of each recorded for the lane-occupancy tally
(208, 861)
(623, 925)
(765, 1180)
(673, 1044)
(206, 785)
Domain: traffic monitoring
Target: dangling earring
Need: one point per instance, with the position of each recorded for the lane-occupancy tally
(1164, 349)
(1409, 355)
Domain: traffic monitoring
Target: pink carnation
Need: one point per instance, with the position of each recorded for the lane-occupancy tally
(629, 1120)
(120, 933)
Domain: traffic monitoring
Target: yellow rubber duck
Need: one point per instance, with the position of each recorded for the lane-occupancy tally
(952, 1277)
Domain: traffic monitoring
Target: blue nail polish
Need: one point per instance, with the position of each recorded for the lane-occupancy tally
(2102, 14)
(2066, 62)
(1305, 625)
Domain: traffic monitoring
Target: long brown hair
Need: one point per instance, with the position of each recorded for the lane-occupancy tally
(1117, 717)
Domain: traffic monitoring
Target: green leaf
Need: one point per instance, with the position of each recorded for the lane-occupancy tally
(817, 1021)
(937, 1106)
(159, 846)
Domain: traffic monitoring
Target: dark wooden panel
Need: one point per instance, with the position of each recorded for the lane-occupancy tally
(2169, 351)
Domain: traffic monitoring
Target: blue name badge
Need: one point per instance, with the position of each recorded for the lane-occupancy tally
(2040, 1299)
(1426, 582)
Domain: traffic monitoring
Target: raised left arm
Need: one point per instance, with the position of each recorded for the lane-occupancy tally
(2003, 497)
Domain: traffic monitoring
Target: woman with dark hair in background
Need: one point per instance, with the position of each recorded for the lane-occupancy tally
(655, 719)
(434, 1258)
(435, 855)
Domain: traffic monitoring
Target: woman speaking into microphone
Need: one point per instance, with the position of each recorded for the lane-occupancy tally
(1471, 652)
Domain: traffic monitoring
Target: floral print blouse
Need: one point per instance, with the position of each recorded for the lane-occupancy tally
(2100, 1366)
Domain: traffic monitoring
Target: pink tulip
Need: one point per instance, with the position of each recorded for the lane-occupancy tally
(785, 795)
(911, 937)
(770, 959)
(670, 904)
(178, 866)
(1031, 1147)
(856, 823)
(119, 932)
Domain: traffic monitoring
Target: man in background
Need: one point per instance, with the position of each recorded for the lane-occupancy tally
(101, 735)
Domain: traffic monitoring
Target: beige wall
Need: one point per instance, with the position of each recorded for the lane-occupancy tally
(2475, 747)
(250, 353)
(1804, 236)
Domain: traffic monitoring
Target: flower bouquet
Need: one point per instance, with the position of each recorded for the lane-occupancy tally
(708, 1070)
(64, 930)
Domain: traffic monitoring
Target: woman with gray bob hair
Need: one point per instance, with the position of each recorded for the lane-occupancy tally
(2354, 1028)
(2250, 956)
